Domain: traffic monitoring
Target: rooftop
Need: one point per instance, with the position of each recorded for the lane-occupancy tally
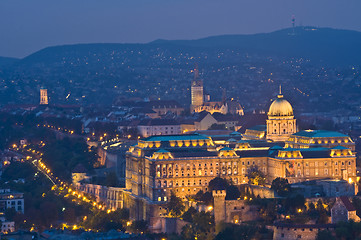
(346, 201)
(318, 134)
(262, 128)
(175, 138)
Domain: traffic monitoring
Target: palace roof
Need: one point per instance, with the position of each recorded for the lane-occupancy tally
(318, 134)
(166, 138)
(252, 153)
(261, 128)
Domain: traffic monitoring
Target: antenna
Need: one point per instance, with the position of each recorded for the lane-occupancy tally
(280, 89)
(293, 24)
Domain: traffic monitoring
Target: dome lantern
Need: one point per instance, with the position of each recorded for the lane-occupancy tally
(280, 107)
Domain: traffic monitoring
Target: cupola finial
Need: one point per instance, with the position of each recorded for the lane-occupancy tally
(280, 92)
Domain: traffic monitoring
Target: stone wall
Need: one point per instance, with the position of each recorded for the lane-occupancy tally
(232, 211)
(295, 231)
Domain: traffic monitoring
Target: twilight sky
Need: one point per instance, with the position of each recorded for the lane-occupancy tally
(29, 25)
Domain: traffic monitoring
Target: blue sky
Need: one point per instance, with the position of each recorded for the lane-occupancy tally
(30, 25)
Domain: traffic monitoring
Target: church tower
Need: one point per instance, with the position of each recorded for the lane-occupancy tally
(280, 123)
(196, 91)
(43, 96)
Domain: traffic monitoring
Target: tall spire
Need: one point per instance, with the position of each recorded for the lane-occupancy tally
(280, 92)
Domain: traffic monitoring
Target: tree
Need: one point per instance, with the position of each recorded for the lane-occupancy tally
(255, 176)
(202, 227)
(203, 221)
(175, 206)
(69, 215)
(232, 192)
(139, 226)
(281, 186)
(325, 235)
(294, 203)
(218, 183)
(104, 221)
(188, 215)
(235, 232)
(269, 212)
(204, 197)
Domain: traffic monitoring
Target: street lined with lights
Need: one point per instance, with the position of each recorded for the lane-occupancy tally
(35, 158)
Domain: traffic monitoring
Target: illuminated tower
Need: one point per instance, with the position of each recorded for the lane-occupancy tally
(43, 96)
(196, 91)
(281, 122)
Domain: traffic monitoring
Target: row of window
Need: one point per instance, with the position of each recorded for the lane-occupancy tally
(182, 183)
(325, 172)
(194, 165)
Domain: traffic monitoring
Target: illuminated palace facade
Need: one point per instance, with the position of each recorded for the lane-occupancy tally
(185, 164)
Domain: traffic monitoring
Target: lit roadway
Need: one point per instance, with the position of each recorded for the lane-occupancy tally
(57, 183)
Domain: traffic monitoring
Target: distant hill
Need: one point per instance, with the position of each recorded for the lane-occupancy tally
(315, 64)
(330, 46)
(6, 61)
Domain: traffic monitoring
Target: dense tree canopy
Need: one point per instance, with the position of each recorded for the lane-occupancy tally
(281, 186)
(255, 176)
(202, 227)
(175, 206)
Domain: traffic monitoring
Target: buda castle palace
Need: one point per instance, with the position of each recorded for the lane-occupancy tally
(185, 164)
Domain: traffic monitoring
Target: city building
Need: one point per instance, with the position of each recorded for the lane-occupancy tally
(290, 231)
(233, 211)
(343, 211)
(44, 96)
(199, 103)
(112, 197)
(281, 122)
(185, 164)
(329, 188)
(150, 127)
(11, 199)
(79, 174)
(197, 97)
(112, 156)
(163, 107)
(6, 226)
